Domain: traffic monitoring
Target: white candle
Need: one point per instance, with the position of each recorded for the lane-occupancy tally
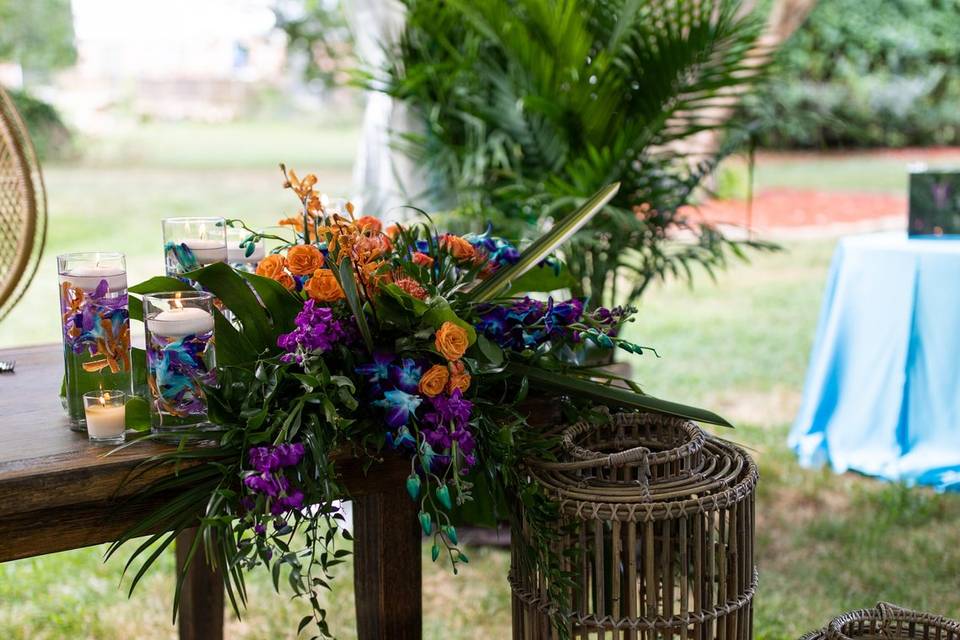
(238, 255)
(176, 323)
(89, 278)
(106, 421)
(207, 251)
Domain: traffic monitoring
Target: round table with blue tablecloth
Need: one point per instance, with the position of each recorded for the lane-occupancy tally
(882, 393)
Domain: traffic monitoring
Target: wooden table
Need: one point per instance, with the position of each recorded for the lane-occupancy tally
(57, 492)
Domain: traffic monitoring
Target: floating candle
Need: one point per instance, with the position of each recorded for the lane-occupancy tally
(88, 278)
(207, 251)
(179, 322)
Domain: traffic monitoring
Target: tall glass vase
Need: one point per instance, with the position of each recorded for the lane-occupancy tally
(242, 254)
(95, 322)
(192, 243)
(180, 360)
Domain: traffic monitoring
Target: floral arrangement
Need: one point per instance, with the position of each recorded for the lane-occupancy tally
(369, 341)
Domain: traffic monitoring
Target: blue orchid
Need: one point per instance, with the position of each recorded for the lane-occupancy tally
(399, 405)
(406, 375)
(377, 371)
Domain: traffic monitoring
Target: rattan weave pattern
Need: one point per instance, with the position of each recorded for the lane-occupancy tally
(888, 622)
(22, 207)
(657, 529)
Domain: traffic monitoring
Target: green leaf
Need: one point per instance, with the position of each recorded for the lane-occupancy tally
(417, 306)
(349, 283)
(609, 395)
(490, 350)
(281, 303)
(234, 292)
(138, 414)
(232, 347)
(541, 278)
(543, 246)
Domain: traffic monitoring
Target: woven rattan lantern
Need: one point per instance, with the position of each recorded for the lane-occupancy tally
(888, 622)
(656, 529)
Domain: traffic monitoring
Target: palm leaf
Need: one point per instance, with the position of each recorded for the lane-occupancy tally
(348, 281)
(604, 394)
(544, 245)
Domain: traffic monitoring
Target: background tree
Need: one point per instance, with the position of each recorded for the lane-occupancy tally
(530, 106)
(37, 34)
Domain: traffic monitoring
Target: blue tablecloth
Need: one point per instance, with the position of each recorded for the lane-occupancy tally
(882, 394)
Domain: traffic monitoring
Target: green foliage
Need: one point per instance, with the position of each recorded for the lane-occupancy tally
(317, 32)
(51, 137)
(37, 34)
(861, 74)
(530, 106)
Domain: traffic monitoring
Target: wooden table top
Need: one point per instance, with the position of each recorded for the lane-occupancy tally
(59, 492)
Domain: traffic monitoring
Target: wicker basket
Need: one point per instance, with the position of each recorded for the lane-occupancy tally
(657, 530)
(888, 622)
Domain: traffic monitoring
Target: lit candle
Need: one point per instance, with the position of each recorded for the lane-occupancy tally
(106, 416)
(88, 278)
(207, 251)
(180, 321)
(238, 255)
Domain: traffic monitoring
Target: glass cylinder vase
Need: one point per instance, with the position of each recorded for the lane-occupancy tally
(95, 322)
(180, 360)
(192, 243)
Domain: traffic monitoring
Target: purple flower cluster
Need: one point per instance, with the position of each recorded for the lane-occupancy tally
(317, 331)
(268, 479)
(443, 419)
(448, 421)
(529, 323)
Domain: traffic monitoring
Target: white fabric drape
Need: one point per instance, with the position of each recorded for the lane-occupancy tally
(384, 179)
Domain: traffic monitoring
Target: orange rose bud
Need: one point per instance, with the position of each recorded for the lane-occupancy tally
(323, 286)
(459, 378)
(304, 259)
(451, 341)
(456, 246)
(369, 224)
(434, 381)
(271, 266)
(422, 260)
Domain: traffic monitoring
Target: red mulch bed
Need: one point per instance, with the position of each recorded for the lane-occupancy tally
(782, 207)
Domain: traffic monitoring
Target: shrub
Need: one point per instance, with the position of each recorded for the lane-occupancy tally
(865, 73)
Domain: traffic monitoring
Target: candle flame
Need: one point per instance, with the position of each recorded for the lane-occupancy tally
(175, 303)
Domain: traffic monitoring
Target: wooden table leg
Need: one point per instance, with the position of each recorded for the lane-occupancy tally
(201, 602)
(387, 566)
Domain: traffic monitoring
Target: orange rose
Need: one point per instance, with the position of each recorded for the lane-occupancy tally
(287, 281)
(323, 286)
(456, 246)
(451, 341)
(422, 260)
(369, 224)
(459, 378)
(304, 259)
(433, 381)
(272, 266)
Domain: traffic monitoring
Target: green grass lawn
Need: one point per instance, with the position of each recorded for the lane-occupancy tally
(826, 543)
